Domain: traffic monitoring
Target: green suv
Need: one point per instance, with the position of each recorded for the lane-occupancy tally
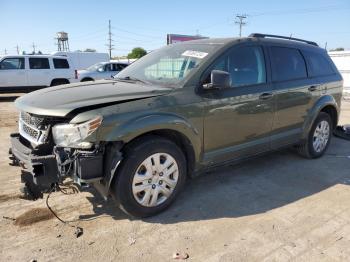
(175, 113)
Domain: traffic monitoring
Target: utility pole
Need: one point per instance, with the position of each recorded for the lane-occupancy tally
(5, 51)
(33, 45)
(17, 48)
(241, 23)
(110, 46)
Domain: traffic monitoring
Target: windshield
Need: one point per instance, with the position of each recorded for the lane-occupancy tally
(169, 65)
(95, 67)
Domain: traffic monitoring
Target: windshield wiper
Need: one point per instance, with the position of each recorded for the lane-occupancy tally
(129, 78)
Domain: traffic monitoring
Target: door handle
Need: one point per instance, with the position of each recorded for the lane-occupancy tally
(312, 88)
(265, 96)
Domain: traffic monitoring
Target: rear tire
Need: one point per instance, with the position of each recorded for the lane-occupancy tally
(150, 177)
(87, 79)
(319, 137)
(57, 82)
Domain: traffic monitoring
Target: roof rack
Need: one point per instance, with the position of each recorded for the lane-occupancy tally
(283, 37)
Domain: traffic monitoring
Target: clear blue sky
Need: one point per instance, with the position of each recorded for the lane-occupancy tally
(146, 23)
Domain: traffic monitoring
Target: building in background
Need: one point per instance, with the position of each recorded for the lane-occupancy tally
(342, 60)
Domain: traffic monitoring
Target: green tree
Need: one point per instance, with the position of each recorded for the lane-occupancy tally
(338, 49)
(137, 52)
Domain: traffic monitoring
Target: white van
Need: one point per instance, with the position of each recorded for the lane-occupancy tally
(30, 72)
(83, 60)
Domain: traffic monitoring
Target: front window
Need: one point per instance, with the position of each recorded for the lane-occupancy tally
(96, 67)
(246, 66)
(169, 65)
(12, 63)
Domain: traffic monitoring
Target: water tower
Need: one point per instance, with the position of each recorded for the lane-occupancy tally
(62, 41)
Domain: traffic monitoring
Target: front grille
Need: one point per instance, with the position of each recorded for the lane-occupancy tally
(32, 120)
(36, 128)
(30, 131)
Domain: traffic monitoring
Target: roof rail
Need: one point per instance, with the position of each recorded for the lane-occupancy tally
(283, 37)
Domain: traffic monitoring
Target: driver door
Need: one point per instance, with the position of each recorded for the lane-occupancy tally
(12, 72)
(238, 120)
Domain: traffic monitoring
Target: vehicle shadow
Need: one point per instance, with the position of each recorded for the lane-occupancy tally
(252, 187)
(8, 98)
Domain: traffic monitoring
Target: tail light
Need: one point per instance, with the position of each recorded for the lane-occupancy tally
(76, 74)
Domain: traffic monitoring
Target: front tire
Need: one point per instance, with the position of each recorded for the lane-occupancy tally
(150, 176)
(319, 137)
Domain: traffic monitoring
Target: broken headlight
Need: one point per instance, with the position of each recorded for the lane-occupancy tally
(73, 135)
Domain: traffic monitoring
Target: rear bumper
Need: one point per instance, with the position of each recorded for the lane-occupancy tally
(43, 168)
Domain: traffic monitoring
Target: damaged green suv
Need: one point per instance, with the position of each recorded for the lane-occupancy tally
(175, 113)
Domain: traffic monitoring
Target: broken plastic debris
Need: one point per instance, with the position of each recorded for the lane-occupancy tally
(181, 256)
(132, 240)
(78, 232)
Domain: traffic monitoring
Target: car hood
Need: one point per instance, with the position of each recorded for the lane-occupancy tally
(61, 100)
(84, 71)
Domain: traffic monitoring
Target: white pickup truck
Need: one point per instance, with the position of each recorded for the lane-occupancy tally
(30, 72)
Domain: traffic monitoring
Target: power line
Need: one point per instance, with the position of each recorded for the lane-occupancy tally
(110, 46)
(302, 11)
(241, 23)
(33, 45)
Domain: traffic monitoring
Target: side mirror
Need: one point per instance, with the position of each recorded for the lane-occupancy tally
(100, 69)
(219, 79)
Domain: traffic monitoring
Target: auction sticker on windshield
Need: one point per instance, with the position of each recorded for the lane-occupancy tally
(196, 54)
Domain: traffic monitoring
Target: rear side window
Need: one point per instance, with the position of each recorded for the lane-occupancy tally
(12, 63)
(318, 65)
(120, 67)
(60, 63)
(39, 63)
(287, 64)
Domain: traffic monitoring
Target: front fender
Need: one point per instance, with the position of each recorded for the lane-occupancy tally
(131, 129)
(315, 110)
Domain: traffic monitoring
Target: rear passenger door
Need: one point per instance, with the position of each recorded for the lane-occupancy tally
(108, 71)
(294, 94)
(39, 73)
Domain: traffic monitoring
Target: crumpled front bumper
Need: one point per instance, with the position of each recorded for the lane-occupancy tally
(42, 171)
(42, 168)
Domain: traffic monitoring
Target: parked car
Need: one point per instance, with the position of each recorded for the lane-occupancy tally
(177, 112)
(82, 60)
(30, 72)
(103, 70)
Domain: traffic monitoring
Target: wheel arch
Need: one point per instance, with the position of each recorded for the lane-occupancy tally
(325, 104)
(59, 80)
(179, 139)
(165, 125)
(85, 79)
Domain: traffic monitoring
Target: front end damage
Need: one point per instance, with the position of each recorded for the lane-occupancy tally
(46, 165)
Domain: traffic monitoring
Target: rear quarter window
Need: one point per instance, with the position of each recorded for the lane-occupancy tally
(318, 64)
(60, 63)
(39, 63)
(287, 64)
